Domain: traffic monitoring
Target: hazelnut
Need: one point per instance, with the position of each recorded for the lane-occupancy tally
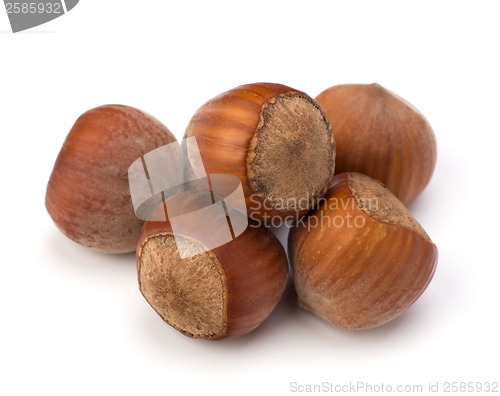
(277, 140)
(88, 194)
(205, 290)
(360, 259)
(381, 135)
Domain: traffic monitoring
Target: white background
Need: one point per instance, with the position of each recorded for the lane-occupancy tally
(73, 321)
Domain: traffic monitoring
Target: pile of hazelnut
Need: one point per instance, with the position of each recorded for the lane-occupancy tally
(339, 169)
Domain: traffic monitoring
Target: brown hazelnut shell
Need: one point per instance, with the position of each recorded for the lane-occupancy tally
(365, 275)
(381, 135)
(276, 139)
(88, 195)
(251, 273)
